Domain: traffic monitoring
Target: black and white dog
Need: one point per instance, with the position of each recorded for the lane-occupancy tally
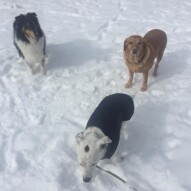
(101, 136)
(29, 40)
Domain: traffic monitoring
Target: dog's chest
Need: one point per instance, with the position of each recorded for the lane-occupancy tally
(33, 51)
(136, 67)
(139, 67)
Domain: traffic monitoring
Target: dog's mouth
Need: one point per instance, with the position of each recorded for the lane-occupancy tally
(89, 173)
(29, 33)
(87, 179)
(135, 52)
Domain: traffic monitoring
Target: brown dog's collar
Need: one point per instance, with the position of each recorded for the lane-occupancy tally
(143, 59)
(145, 56)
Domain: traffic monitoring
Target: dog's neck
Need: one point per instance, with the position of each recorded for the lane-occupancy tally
(94, 130)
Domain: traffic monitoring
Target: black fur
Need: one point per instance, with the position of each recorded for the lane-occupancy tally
(28, 21)
(125, 45)
(19, 51)
(109, 115)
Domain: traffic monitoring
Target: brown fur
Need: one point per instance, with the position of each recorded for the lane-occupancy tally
(140, 53)
(28, 33)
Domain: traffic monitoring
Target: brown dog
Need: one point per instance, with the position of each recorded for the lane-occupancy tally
(140, 53)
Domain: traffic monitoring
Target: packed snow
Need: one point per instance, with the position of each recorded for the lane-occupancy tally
(41, 115)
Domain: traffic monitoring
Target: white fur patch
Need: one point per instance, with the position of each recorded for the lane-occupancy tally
(90, 150)
(33, 51)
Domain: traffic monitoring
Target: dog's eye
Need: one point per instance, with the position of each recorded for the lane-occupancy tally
(27, 26)
(139, 43)
(86, 148)
(130, 43)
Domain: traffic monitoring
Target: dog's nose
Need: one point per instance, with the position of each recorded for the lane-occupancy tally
(86, 179)
(134, 51)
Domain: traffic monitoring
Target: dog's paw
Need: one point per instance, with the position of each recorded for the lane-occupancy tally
(128, 85)
(143, 88)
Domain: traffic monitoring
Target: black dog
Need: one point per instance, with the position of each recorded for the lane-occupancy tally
(30, 40)
(101, 136)
(108, 117)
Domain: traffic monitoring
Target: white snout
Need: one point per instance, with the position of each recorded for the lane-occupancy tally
(89, 173)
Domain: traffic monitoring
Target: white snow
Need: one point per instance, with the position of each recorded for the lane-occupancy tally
(41, 115)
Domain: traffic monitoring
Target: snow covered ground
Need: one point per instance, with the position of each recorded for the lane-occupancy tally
(40, 115)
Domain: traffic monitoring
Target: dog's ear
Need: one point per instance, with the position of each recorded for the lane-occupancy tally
(103, 141)
(125, 44)
(79, 137)
(32, 14)
(21, 16)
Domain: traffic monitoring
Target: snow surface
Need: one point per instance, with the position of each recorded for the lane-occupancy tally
(41, 115)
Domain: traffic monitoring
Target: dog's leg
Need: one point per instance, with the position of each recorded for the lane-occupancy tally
(145, 79)
(117, 157)
(130, 81)
(159, 57)
(155, 69)
(43, 67)
(29, 66)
